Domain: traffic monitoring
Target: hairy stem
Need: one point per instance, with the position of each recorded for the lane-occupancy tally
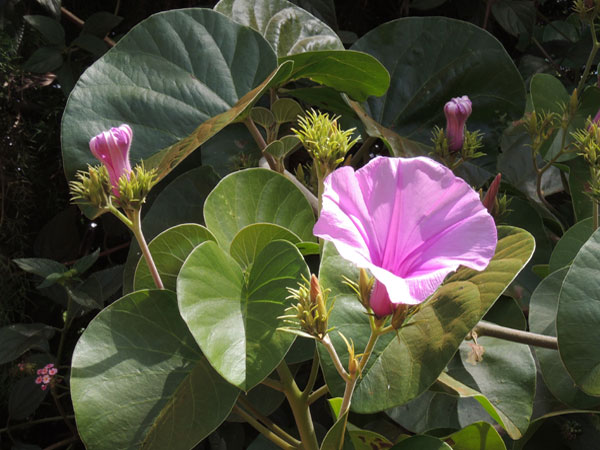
(484, 328)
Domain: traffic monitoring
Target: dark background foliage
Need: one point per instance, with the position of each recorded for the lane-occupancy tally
(36, 219)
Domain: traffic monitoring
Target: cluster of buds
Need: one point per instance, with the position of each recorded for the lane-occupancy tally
(587, 142)
(45, 375)
(114, 182)
(323, 139)
(587, 10)
(455, 144)
(310, 313)
(540, 127)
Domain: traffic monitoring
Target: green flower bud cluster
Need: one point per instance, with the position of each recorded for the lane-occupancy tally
(587, 142)
(453, 159)
(540, 127)
(325, 142)
(133, 191)
(311, 313)
(93, 187)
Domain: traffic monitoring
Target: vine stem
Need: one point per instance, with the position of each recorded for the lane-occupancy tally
(136, 228)
(595, 214)
(484, 328)
(590, 60)
(351, 384)
(326, 341)
(267, 423)
(260, 141)
(300, 408)
(279, 442)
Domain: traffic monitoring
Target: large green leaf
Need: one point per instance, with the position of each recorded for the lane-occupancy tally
(505, 377)
(172, 72)
(21, 337)
(181, 201)
(288, 28)
(515, 247)
(252, 239)
(570, 243)
(169, 250)
(480, 435)
(542, 319)
(234, 315)
(254, 196)
(140, 381)
(578, 318)
(403, 365)
(428, 68)
(357, 74)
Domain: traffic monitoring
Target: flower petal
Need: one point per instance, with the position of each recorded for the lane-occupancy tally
(409, 221)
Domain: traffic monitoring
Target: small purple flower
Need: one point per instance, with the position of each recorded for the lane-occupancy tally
(410, 222)
(112, 149)
(457, 112)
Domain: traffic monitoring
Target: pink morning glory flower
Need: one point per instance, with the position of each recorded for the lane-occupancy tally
(410, 222)
(457, 112)
(112, 149)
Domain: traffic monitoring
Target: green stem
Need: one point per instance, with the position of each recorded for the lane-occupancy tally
(351, 383)
(268, 423)
(139, 236)
(122, 217)
(590, 60)
(260, 141)
(326, 341)
(262, 429)
(317, 394)
(312, 378)
(484, 328)
(300, 408)
(273, 384)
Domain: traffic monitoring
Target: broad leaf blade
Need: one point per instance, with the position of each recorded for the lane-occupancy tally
(169, 250)
(170, 73)
(140, 381)
(234, 318)
(257, 196)
(578, 318)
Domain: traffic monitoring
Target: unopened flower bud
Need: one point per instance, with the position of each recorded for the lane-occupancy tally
(310, 313)
(457, 112)
(490, 199)
(365, 287)
(111, 148)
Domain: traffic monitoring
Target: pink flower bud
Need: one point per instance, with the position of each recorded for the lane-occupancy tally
(489, 201)
(457, 112)
(112, 149)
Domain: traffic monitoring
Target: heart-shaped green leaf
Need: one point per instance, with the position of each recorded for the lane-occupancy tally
(427, 69)
(257, 196)
(578, 318)
(169, 250)
(542, 319)
(288, 28)
(174, 71)
(252, 239)
(140, 381)
(234, 315)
